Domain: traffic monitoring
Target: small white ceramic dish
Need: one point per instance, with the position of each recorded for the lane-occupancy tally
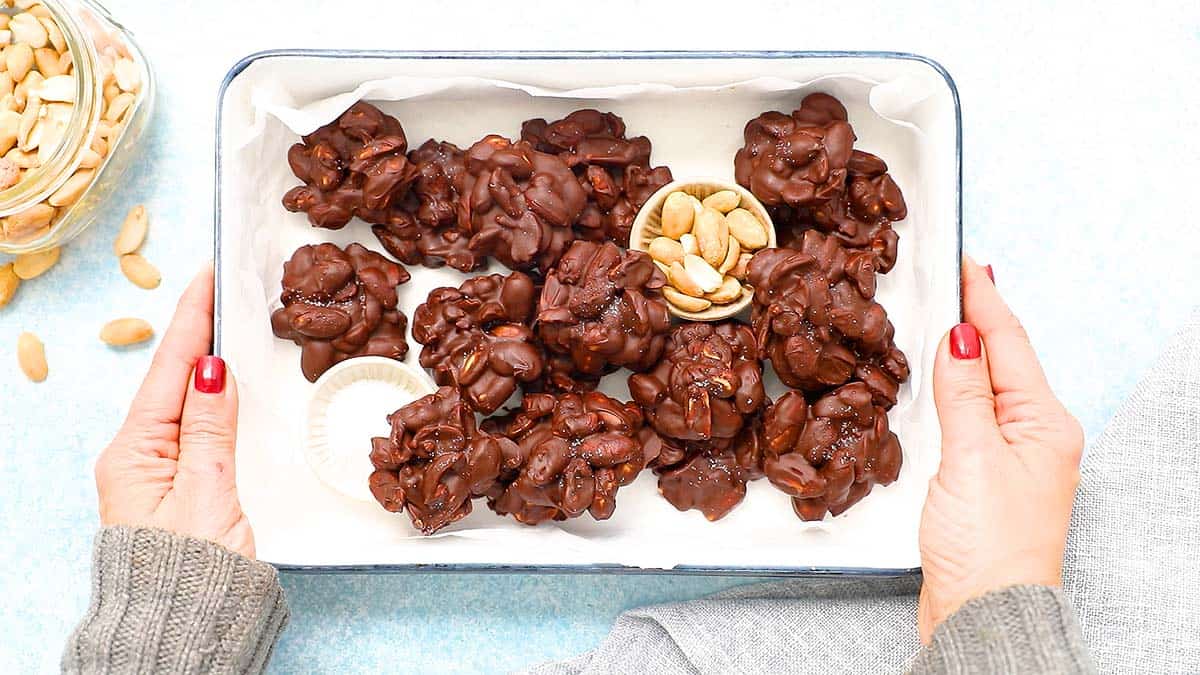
(648, 225)
(354, 395)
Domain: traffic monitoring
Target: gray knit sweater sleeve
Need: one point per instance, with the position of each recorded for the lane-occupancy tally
(1019, 629)
(162, 602)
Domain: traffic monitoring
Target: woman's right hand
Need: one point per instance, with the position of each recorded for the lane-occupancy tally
(998, 508)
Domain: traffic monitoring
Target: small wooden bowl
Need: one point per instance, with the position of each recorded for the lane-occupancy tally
(648, 225)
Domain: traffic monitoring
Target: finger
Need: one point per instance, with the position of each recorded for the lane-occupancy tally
(208, 428)
(962, 392)
(1014, 367)
(160, 398)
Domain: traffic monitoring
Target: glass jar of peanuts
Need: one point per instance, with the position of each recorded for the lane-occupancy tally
(76, 94)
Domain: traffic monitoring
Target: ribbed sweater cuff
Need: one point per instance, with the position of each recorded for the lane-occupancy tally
(1019, 629)
(162, 602)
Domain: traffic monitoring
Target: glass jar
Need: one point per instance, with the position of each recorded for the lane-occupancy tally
(55, 200)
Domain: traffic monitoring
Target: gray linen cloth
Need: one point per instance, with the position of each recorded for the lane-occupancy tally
(1132, 571)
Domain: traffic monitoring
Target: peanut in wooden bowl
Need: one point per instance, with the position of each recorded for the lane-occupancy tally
(648, 225)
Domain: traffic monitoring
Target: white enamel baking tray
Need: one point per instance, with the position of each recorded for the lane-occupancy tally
(693, 107)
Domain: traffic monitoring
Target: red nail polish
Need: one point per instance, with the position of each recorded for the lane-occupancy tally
(210, 375)
(964, 342)
(991, 275)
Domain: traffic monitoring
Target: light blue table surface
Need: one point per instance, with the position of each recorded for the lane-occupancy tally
(1081, 171)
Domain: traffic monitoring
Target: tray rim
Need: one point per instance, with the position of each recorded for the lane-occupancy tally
(499, 55)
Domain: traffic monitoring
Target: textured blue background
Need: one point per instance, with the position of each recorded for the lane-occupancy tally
(1081, 168)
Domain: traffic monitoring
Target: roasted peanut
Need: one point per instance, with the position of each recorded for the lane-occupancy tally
(31, 265)
(678, 211)
(9, 174)
(679, 278)
(72, 189)
(723, 201)
(18, 58)
(31, 356)
(665, 250)
(690, 244)
(731, 256)
(748, 230)
(128, 331)
(140, 271)
(24, 223)
(26, 28)
(739, 270)
(685, 302)
(47, 61)
(128, 75)
(90, 159)
(56, 88)
(26, 141)
(10, 124)
(54, 34)
(729, 290)
(133, 231)
(119, 106)
(712, 235)
(706, 278)
(32, 80)
(24, 160)
(9, 281)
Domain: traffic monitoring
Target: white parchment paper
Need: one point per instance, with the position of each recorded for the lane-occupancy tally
(693, 111)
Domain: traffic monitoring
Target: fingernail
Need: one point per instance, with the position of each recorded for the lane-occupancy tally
(964, 342)
(210, 375)
(991, 275)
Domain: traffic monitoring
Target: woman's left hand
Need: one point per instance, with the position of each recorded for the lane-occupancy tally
(171, 465)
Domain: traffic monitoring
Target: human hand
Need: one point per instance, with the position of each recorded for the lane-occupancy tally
(998, 508)
(171, 464)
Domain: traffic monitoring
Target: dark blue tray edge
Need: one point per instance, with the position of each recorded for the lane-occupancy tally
(788, 572)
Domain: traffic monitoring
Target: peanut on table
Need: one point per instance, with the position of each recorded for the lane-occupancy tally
(31, 353)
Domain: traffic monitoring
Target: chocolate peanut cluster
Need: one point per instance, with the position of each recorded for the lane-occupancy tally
(604, 308)
(522, 202)
(796, 160)
(828, 455)
(614, 170)
(805, 169)
(353, 166)
(709, 476)
(817, 333)
(706, 386)
(431, 227)
(435, 460)
(577, 449)
(498, 198)
(553, 458)
(477, 338)
(815, 317)
(703, 398)
(338, 304)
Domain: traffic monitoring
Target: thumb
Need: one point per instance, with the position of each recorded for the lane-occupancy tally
(962, 391)
(208, 428)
